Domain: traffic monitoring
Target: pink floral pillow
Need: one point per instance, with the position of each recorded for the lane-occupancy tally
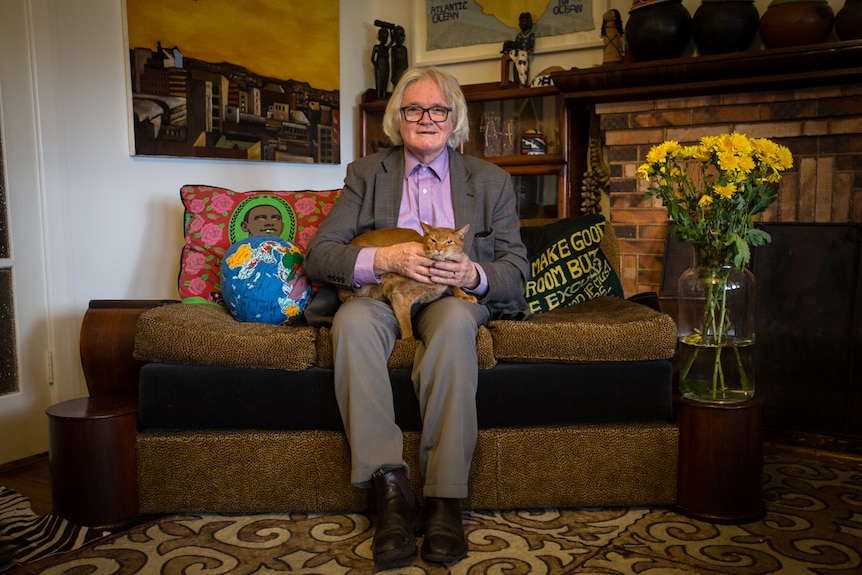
(216, 218)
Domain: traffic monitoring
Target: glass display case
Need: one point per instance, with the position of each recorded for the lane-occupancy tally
(522, 130)
(507, 123)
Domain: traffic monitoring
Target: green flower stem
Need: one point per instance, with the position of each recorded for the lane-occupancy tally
(743, 377)
(689, 361)
(720, 336)
(718, 375)
(714, 334)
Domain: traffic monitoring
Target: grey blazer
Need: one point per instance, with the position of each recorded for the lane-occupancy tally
(482, 196)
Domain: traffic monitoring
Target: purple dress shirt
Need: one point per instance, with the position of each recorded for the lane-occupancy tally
(426, 197)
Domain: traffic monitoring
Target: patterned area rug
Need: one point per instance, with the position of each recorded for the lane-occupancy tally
(26, 537)
(813, 525)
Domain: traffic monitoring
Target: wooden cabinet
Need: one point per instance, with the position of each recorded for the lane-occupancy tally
(720, 473)
(94, 479)
(526, 131)
(371, 136)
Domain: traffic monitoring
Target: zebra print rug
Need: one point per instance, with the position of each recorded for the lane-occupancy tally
(27, 537)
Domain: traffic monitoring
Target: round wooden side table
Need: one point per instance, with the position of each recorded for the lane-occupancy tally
(92, 456)
(720, 476)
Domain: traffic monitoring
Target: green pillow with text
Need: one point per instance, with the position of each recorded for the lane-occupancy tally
(567, 265)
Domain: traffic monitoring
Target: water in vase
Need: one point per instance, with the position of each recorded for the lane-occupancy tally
(714, 373)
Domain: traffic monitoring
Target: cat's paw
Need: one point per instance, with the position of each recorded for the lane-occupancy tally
(461, 294)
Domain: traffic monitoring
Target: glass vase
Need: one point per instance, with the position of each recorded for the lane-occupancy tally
(716, 329)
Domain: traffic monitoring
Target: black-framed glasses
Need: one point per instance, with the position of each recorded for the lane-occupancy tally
(415, 113)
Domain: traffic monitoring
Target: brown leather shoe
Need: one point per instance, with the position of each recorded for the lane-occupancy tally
(445, 541)
(398, 519)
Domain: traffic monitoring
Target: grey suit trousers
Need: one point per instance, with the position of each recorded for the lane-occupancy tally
(445, 377)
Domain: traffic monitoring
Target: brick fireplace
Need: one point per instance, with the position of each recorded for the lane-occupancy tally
(810, 279)
(808, 99)
(821, 126)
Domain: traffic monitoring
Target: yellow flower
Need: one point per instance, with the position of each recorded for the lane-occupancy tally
(713, 189)
(783, 159)
(740, 143)
(660, 154)
(728, 161)
(644, 171)
(746, 163)
(725, 191)
(696, 153)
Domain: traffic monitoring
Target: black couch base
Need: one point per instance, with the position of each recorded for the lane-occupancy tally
(509, 395)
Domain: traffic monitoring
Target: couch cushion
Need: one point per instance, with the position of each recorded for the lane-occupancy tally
(214, 219)
(200, 335)
(213, 397)
(600, 330)
(603, 329)
(402, 355)
(568, 264)
(209, 335)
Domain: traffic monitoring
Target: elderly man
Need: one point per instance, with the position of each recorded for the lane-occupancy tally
(421, 179)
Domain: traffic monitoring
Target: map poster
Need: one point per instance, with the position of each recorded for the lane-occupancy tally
(469, 22)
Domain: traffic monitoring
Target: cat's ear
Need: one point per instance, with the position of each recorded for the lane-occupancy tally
(426, 227)
(462, 231)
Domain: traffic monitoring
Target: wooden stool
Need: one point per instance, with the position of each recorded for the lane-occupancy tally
(720, 476)
(94, 479)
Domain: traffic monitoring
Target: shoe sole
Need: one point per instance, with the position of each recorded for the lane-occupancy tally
(396, 558)
(444, 560)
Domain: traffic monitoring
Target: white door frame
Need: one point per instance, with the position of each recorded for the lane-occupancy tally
(32, 146)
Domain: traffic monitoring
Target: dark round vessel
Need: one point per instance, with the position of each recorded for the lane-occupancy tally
(796, 23)
(657, 29)
(722, 26)
(848, 21)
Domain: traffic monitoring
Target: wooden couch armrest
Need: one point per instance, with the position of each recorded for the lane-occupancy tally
(106, 344)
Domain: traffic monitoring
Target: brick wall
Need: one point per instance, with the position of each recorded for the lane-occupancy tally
(822, 127)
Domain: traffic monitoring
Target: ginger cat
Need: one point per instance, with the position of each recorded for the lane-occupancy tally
(402, 292)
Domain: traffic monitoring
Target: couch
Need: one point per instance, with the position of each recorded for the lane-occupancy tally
(575, 402)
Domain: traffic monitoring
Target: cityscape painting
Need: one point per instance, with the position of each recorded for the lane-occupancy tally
(235, 80)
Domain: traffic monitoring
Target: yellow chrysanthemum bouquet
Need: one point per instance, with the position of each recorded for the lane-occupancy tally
(712, 191)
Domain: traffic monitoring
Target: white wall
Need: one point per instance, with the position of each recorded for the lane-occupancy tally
(114, 221)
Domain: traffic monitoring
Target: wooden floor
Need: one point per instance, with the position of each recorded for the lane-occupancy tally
(31, 478)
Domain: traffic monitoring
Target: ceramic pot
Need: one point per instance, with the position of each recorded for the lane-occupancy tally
(657, 29)
(722, 26)
(796, 23)
(848, 21)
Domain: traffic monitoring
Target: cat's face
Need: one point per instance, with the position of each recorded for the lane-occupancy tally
(440, 243)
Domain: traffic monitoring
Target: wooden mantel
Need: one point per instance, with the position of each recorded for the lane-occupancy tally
(781, 68)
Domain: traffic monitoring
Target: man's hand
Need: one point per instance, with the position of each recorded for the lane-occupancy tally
(407, 259)
(456, 271)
